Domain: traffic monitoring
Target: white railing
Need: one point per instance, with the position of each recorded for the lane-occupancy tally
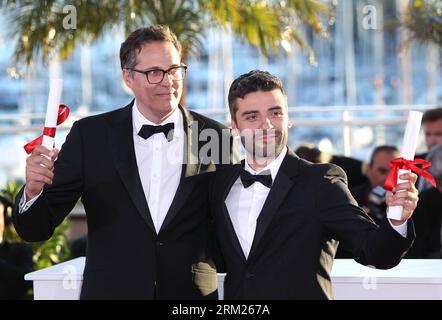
(333, 122)
(300, 116)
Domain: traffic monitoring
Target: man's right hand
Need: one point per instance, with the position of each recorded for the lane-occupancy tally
(39, 170)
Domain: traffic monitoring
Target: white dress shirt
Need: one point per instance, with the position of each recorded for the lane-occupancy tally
(245, 204)
(159, 165)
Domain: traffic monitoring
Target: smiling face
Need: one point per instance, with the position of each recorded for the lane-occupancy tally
(155, 101)
(262, 120)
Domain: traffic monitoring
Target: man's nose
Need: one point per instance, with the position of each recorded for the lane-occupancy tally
(167, 80)
(430, 142)
(267, 124)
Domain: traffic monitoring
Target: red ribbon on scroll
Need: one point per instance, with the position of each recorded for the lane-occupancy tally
(401, 163)
(63, 113)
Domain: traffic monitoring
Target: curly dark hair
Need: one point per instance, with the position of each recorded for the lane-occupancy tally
(253, 81)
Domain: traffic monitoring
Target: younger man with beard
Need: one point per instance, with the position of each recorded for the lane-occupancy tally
(278, 237)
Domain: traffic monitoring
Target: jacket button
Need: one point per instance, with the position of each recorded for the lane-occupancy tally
(249, 275)
(159, 243)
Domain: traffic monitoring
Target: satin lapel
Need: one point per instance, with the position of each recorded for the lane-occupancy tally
(191, 161)
(284, 181)
(191, 166)
(221, 205)
(122, 146)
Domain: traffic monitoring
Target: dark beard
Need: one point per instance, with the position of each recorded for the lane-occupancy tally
(267, 150)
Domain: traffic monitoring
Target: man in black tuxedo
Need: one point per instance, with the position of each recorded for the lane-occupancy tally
(142, 175)
(279, 218)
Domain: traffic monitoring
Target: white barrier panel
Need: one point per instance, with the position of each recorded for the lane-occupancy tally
(410, 280)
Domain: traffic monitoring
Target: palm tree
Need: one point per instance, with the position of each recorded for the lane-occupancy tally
(424, 21)
(38, 25)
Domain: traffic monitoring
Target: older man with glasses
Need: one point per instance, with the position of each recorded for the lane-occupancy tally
(142, 177)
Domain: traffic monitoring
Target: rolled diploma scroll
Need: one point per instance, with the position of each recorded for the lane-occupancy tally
(55, 87)
(408, 151)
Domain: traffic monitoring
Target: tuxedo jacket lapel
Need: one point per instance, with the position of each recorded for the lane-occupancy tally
(123, 150)
(191, 165)
(190, 155)
(227, 184)
(283, 183)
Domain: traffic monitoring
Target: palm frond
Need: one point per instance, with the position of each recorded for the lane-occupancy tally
(38, 28)
(424, 21)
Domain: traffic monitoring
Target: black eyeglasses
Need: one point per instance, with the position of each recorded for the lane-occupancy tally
(155, 76)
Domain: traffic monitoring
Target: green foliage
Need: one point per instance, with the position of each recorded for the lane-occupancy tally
(424, 21)
(54, 250)
(38, 25)
(11, 190)
(46, 253)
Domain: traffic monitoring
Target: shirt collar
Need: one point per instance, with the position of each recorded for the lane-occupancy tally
(175, 117)
(273, 166)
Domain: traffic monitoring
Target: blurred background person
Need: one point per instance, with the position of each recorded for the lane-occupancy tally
(311, 153)
(432, 126)
(15, 260)
(428, 214)
(370, 195)
(354, 168)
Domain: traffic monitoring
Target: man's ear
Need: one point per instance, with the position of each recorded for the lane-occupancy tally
(234, 125)
(127, 77)
(289, 124)
(235, 130)
(369, 169)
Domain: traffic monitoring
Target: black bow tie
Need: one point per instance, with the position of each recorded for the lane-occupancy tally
(248, 179)
(147, 130)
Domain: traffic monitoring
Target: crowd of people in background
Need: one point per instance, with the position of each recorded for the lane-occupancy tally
(366, 185)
